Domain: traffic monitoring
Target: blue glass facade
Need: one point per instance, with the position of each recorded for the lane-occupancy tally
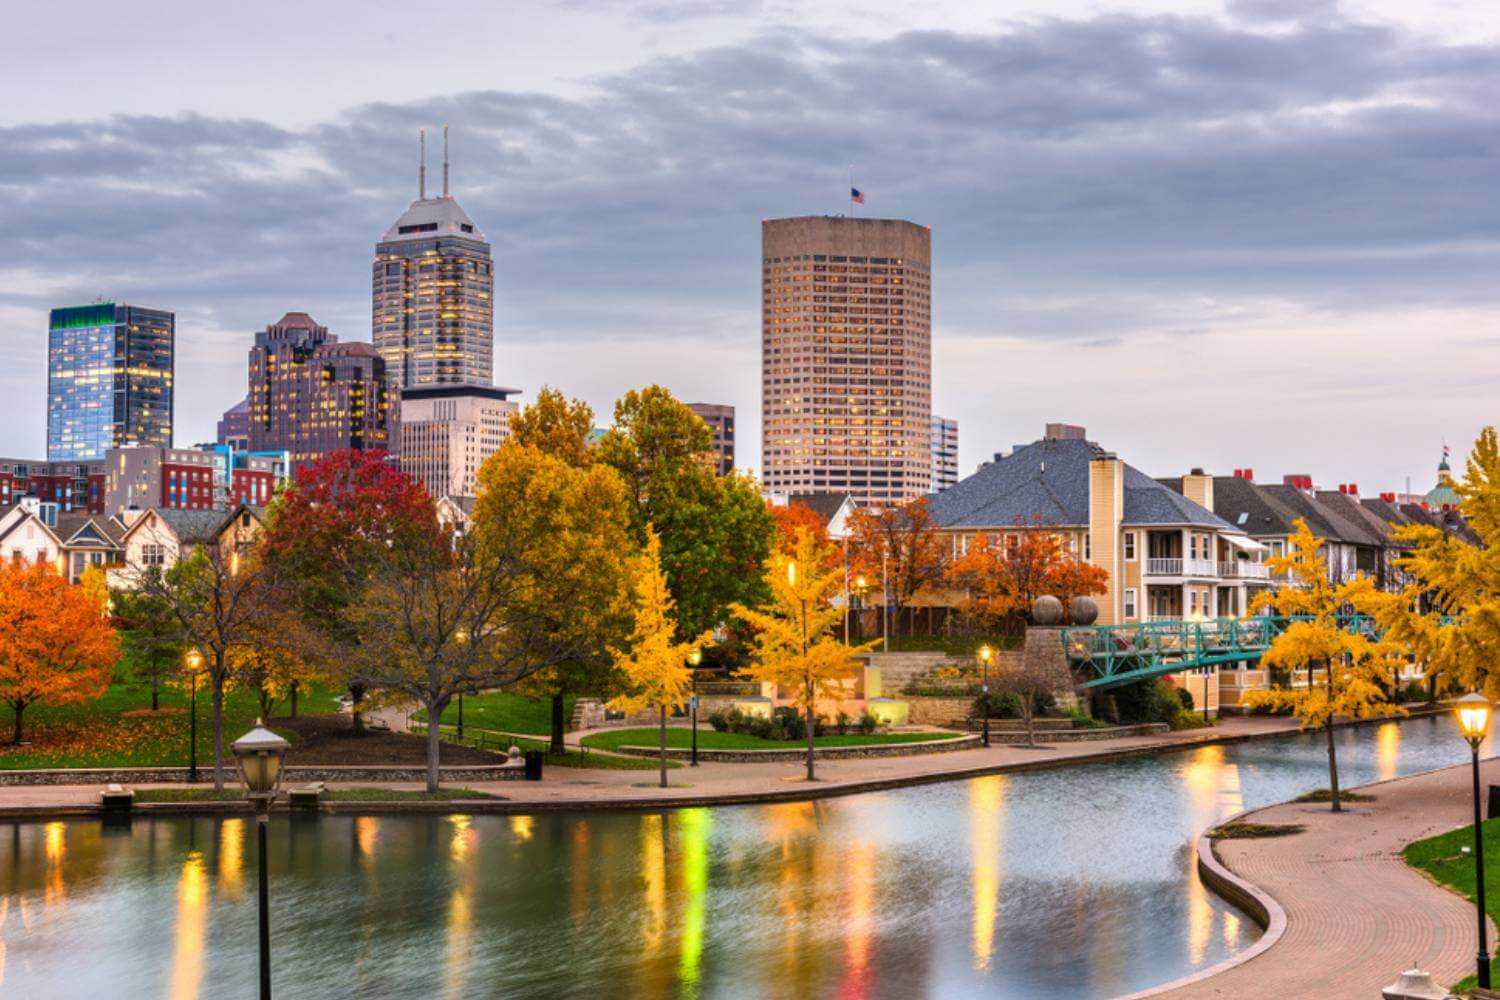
(109, 380)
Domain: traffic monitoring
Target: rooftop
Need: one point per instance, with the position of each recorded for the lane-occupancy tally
(430, 218)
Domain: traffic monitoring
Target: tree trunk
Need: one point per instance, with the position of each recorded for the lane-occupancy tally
(293, 691)
(1333, 760)
(812, 725)
(18, 708)
(558, 724)
(662, 745)
(1027, 710)
(434, 751)
(155, 692)
(219, 723)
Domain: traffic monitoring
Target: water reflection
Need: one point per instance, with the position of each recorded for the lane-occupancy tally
(1060, 883)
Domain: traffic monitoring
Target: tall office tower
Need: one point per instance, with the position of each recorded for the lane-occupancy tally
(109, 379)
(234, 426)
(447, 432)
(720, 419)
(433, 319)
(846, 357)
(944, 453)
(311, 395)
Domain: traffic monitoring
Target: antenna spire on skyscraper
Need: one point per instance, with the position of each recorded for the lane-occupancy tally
(445, 159)
(422, 169)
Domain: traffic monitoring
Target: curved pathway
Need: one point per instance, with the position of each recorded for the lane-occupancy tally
(1356, 915)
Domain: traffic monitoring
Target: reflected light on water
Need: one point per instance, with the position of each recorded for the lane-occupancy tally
(579, 869)
(986, 801)
(232, 857)
(522, 827)
(56, 842)
(654, 875)
(859, 886)
(1387, 750)
(463, 837)
(694, 825)
(460, 906)
(191, 931)
(366, 833)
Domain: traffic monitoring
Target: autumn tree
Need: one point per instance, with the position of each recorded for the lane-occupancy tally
(898, 545)
(556, 425)
(217, 594)
(715, 530)
(796, 646)
(273, 662)
(1449, 617)
(654, 664)
(791, 518)
(1357, 671)
(343, 513)
(559, 427)
(1002, 578)
(150, 637)
(55, 645)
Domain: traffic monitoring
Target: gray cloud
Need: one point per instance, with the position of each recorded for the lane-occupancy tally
(1086, 180)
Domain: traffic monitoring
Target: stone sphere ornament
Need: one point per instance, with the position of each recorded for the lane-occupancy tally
(1083, 610)
(1047, 610)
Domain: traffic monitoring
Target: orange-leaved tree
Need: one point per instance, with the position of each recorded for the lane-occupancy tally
(1002, 576)
(790, 519)
(655, 666)
(1358, 671)
(56, 646)
(898, 545)
(795, 646)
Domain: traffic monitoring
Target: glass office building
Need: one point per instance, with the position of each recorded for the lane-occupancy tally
(109, 380)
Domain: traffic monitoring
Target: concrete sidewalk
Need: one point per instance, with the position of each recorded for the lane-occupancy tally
(1356, 915)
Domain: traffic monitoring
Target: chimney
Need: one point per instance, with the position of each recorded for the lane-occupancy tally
(1388, 497)
(1297, 480)
(1106, 508)
(1198, 487)
(1063, 432)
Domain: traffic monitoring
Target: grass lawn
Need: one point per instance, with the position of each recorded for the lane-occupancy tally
(504, 712)
(570, 758)
(120, 730)
(708, 739)
(1443, 860)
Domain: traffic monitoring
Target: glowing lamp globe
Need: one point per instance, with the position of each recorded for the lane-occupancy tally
(1473, 717)
(259, 753)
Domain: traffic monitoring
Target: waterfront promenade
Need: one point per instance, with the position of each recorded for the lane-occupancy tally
(725, 783)
(1356, 914)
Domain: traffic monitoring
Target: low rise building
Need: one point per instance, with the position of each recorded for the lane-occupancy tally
(448, 431)
(720, 420)
(944, 453)
(70, 485)
(157, 539)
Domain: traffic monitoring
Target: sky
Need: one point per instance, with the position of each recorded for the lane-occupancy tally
(1253, 233)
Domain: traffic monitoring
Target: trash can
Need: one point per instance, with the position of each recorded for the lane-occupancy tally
(1494, 803)
(533, 765)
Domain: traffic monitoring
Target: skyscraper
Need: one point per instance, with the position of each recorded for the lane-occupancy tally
(433, 319)
(944, 452)
(109, 379)
(310, 394)
(846, 357)
(720, 420)
(448, 431)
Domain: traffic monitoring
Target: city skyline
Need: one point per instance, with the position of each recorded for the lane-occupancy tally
(1302, 251)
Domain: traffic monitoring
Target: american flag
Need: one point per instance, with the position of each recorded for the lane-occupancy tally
(857, 196)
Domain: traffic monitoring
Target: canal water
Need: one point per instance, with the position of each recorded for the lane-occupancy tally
(1064, 883)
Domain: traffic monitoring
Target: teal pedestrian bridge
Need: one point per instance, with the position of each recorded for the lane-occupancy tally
(1106, 656)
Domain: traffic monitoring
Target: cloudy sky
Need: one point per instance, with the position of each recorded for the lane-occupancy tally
(1262, 233)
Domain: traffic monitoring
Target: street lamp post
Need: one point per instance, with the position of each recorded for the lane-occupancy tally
(460, 717)
(194, 664)
(885, 601)
(1474, 722)
(694, 658)
(986, 654)
(259, 753)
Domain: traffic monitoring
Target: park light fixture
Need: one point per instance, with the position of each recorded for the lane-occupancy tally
(259, 753)
(791, 572)
(694, 658)
(193, 660)
(1473, 718)
(986, 654)
(1473, 711)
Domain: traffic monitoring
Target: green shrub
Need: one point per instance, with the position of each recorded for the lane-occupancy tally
(1152, 700)
(868, 724)
(1186, 697)
(1413, 691)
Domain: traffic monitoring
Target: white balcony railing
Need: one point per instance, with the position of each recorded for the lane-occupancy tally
(1244, 569)
(1181, 567)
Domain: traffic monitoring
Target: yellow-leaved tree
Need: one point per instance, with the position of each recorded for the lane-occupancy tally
(1357, 672)
(1449, 616)
(655, 667)
(796, 646)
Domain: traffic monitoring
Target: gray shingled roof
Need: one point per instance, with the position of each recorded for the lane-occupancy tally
(1047, 483)
(825, 504)
(1251, 508)
(1345, 513)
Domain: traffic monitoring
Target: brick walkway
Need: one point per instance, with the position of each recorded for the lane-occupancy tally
(1356, 915)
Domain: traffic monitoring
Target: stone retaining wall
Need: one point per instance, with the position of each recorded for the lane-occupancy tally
(820, 753)
(294, 774)
(930, 711)
(1011, 735)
